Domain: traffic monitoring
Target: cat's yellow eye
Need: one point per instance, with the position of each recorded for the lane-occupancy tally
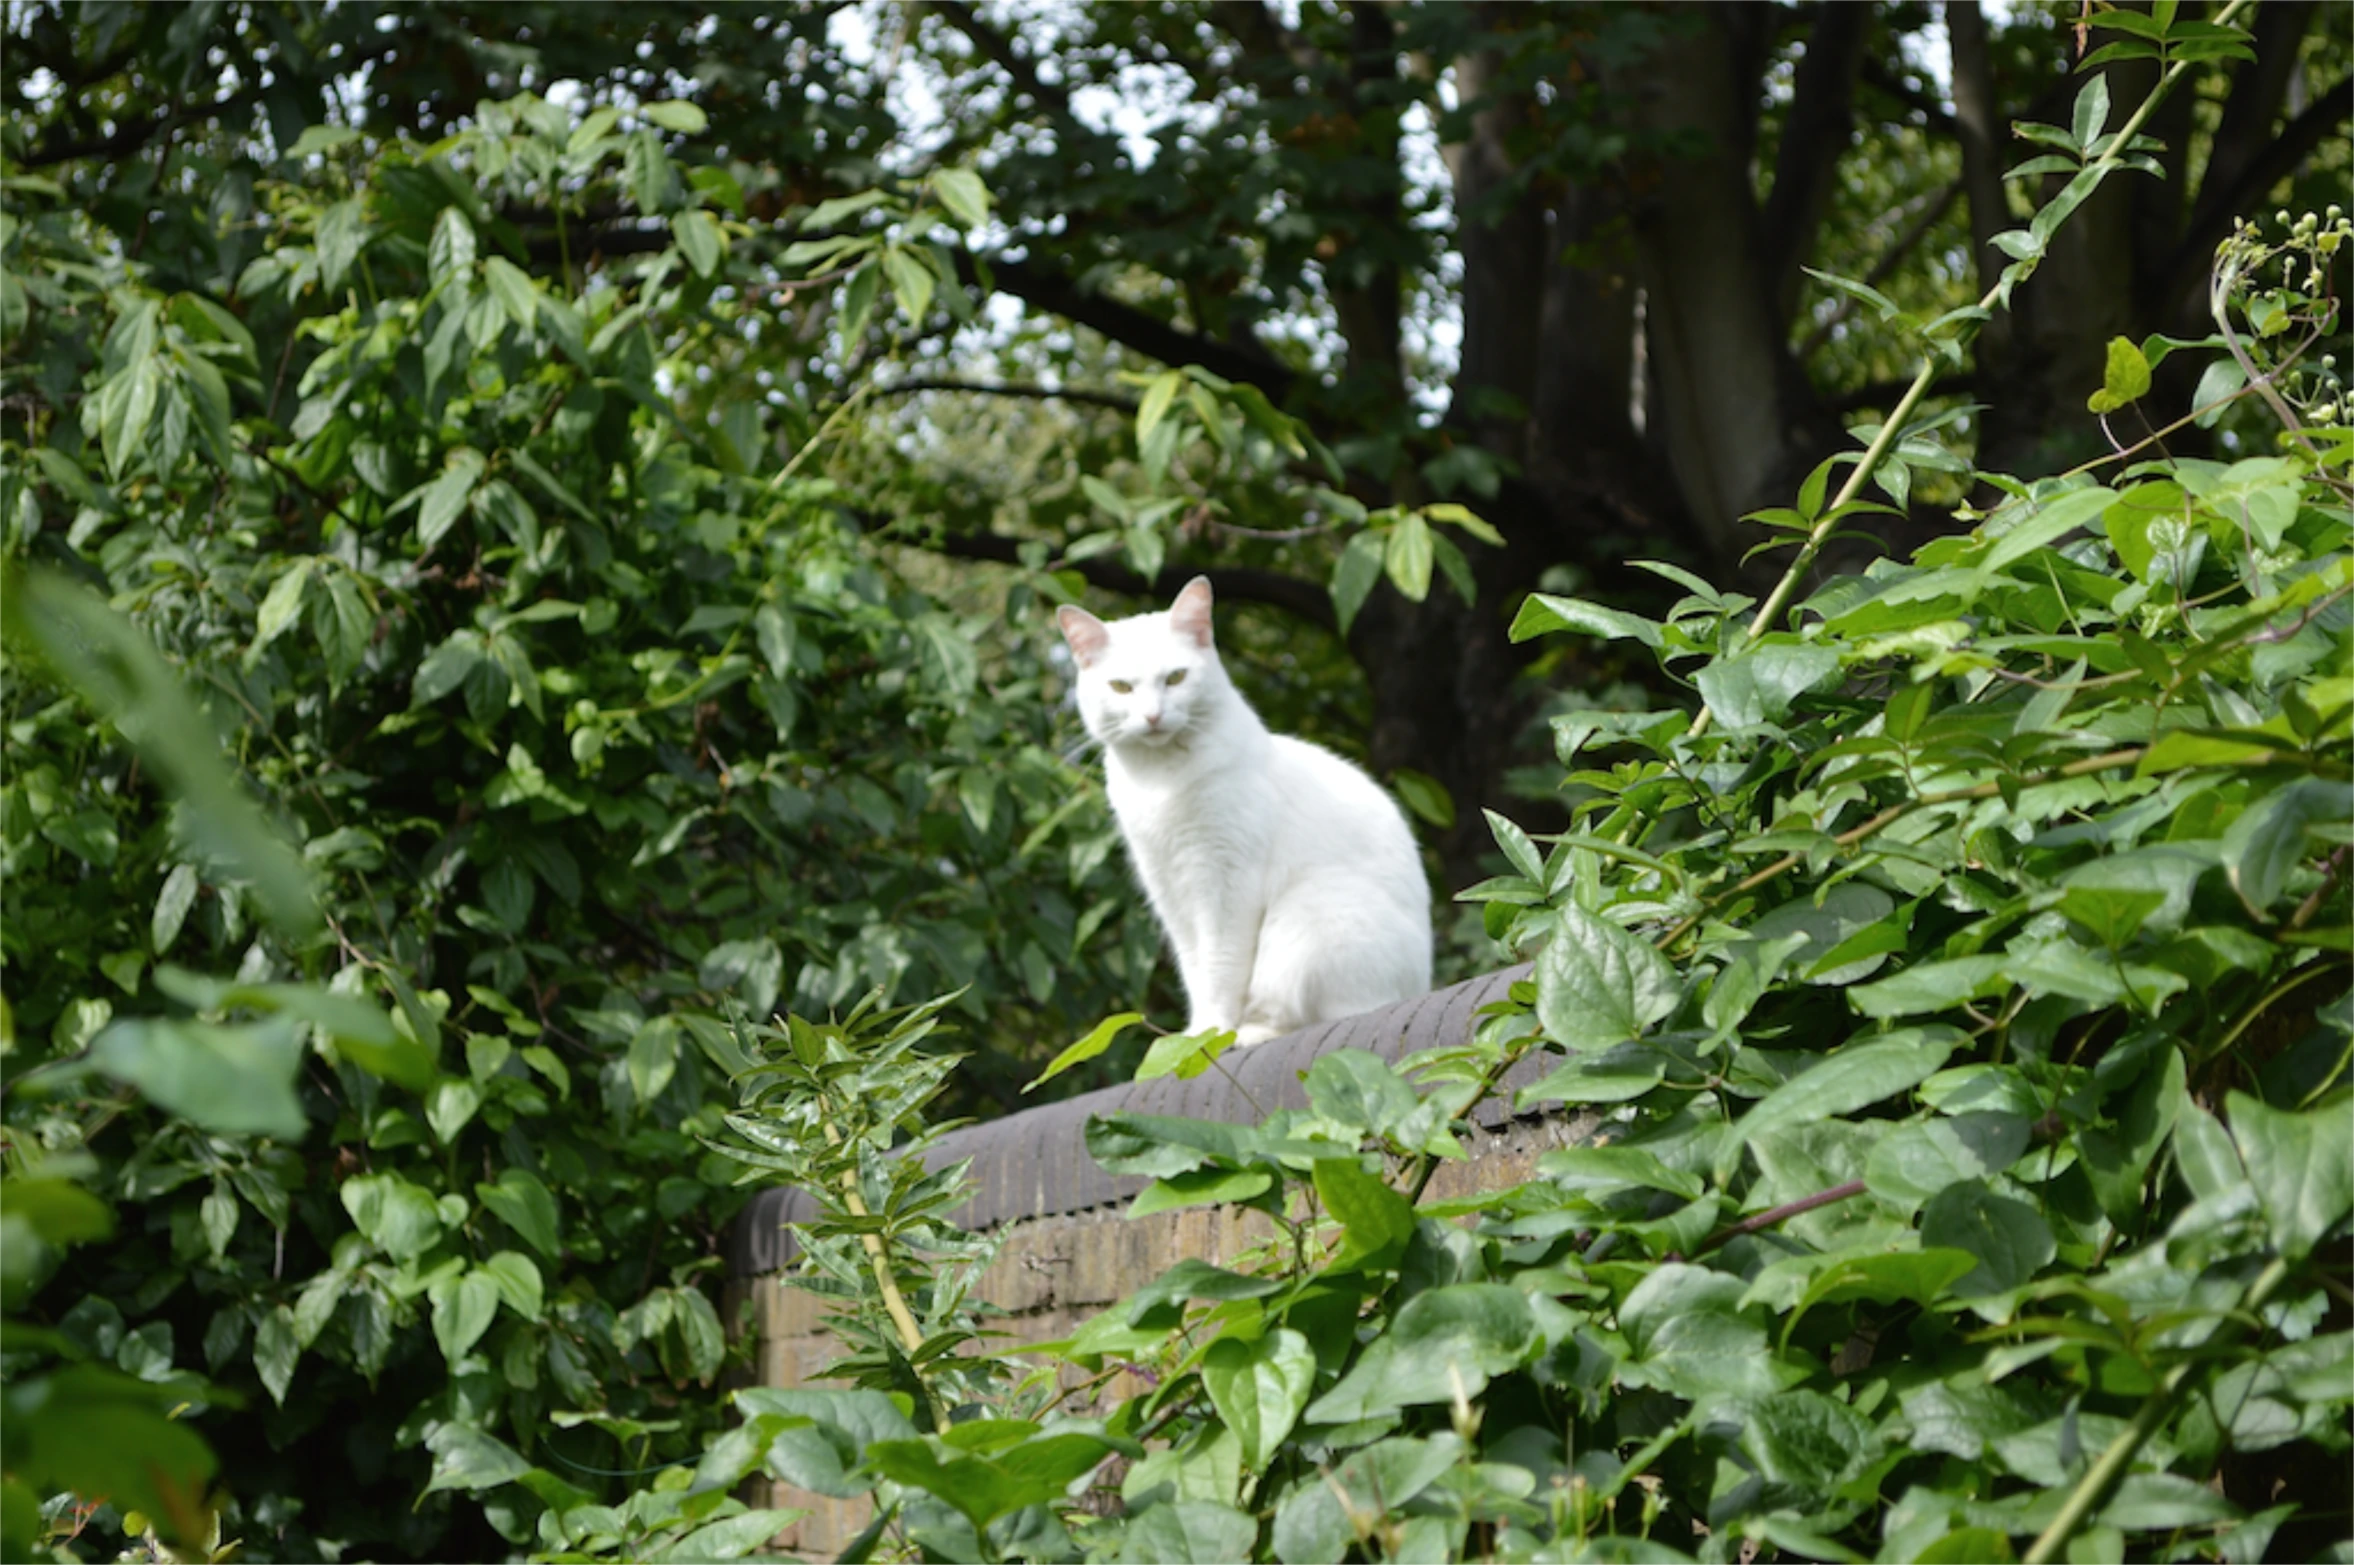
(1177, 678)
(1121, 686)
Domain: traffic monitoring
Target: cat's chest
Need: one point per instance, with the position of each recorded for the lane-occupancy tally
(1190, 815)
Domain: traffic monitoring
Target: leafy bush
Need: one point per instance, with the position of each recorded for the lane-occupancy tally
(588, 714)
(1962, 990)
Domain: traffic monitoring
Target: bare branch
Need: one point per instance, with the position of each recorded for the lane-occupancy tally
(1131, 327)
(1238, 582)
(1101, 399)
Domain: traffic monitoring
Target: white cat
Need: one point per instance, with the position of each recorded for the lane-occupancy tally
(1286, 878)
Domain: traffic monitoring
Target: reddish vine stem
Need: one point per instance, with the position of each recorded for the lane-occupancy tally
(1773, 1215)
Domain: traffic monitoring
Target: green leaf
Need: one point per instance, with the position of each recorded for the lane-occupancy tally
(1407, 557)
(399, 1218)
(1188, 1532)
(2302, 1166)
(1932, 986)
(1912, 1163)
(280, 608)
(676, 114)
(233, 1080)
(1375, 1220)
(1801, 1439)
(2126, 378)
(2091, 116)
(911, 283)
(1540, 613)
(962, 192)
(462, 1311)
(93, 1431)
(1202, 1187)
(276, 1348)
(1259, 1388)
(1601, 1171)
(1854, 1077)
(1354, 574)
(1598, 984)
(985, 1488)
(1183, 1055)
(1425, 795)
(1758, 685)
(699, 240)
(517, 1280)
(1357, 1088)
(2264, 846)
(443, 501)
(1320, 1519)
(1445, 1345)
(171, 907)
(524, 1204)
(465, 1457)
(1097, 1040)
(114, 668)
(1688, 1336)
(2009, 1239)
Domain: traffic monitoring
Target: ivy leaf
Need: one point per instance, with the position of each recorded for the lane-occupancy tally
(2126, 378)
(1259, 1389)
(1375, 1220)
(2302, 1166)
(2263, 847)
(1598, 984)
(1189, 1532)
(2009, 1238)
(1856, 1076)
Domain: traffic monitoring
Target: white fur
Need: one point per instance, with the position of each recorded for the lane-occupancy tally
(1286, 878)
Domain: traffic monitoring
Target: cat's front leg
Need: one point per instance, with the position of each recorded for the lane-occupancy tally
(1216, 967)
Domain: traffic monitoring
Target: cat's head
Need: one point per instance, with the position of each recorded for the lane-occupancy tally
(1149, 679)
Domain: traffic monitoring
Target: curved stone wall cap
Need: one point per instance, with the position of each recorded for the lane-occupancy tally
(1035, 1163)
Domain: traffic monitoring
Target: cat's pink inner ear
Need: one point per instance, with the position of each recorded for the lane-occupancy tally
(1084, 632)
(1189, 616)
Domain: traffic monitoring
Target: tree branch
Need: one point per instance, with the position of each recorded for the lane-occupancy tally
(1876, 75)
(1101, 399)
(1241, 583)
(1129, 326)
(130, 139)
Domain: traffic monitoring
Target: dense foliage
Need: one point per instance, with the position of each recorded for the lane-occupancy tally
(1961, 992)
(476, 634)
(1545, 260)
(586, 713)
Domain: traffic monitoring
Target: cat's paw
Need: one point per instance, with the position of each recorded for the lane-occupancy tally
(1253, 1033)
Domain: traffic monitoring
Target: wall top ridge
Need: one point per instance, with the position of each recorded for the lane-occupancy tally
(1035, 1163)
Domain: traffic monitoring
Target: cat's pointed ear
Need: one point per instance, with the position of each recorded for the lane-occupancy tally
(1084, 632)
(1189, 616)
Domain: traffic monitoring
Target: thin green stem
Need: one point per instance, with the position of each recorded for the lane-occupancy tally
(2094, 1486)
